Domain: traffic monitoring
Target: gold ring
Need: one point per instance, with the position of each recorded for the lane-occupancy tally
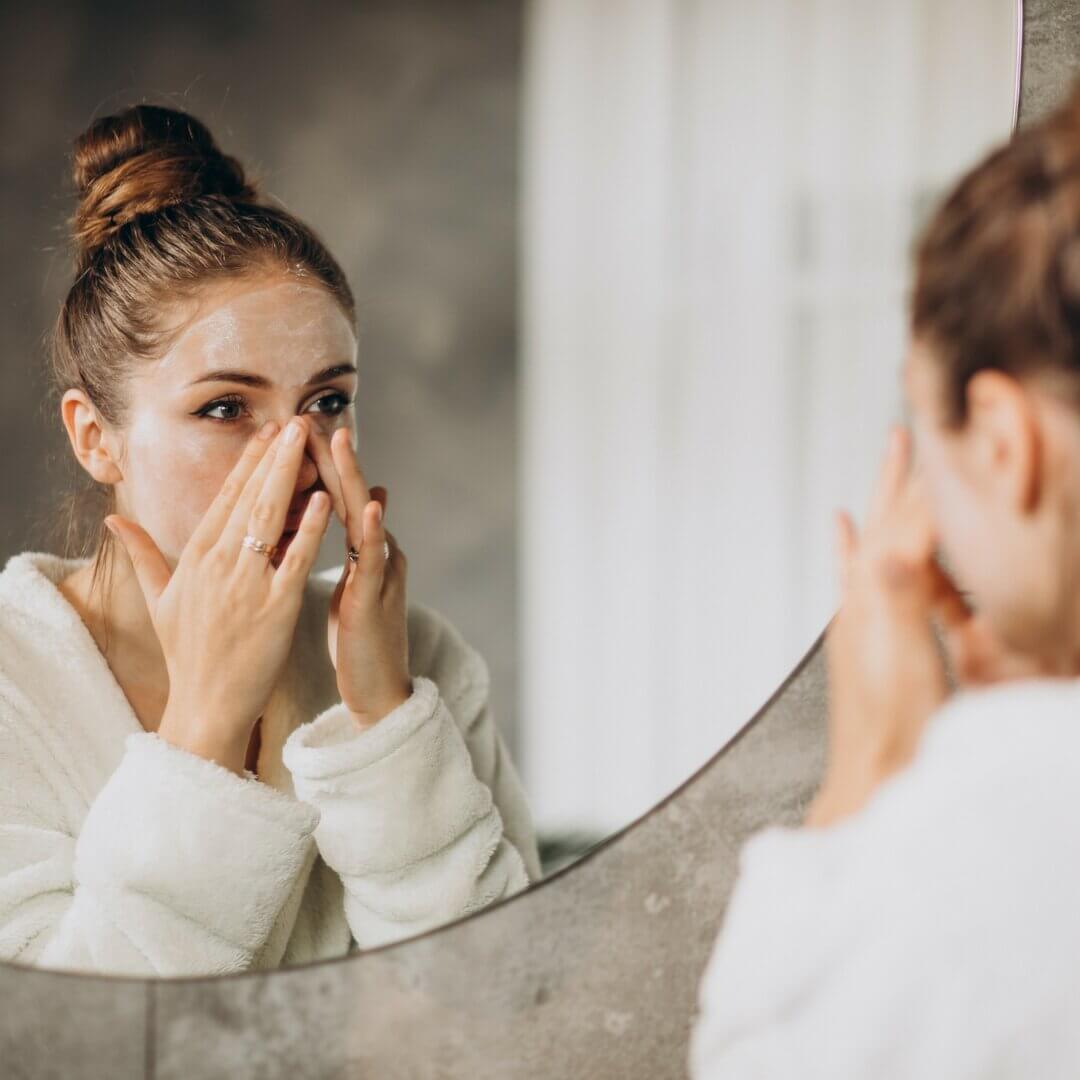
(260, 546)
(354, 555)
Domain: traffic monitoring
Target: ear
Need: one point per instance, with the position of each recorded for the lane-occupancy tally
(1004, 440)
(88, 437)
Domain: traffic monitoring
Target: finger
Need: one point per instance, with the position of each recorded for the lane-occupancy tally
(264, 505)
(319, 449)
(353, 485)
(369, 570)
(906, 532)
(241, 506)
(381, 496)
(150, 566)
(300, 557)
(254, 453)
(892, 472)
(846, 541)
(396, 570)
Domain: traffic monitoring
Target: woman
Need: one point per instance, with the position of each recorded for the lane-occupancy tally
(211, 759)
(925, 921)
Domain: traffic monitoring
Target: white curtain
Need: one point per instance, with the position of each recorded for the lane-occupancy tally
(718, 202)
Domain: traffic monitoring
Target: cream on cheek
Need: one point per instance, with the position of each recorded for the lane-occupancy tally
(173, 474)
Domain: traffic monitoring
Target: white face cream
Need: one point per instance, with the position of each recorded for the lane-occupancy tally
(184, 435)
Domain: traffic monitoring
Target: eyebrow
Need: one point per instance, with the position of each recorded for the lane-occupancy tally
(247, 378)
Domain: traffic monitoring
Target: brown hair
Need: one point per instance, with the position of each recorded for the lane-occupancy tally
(162, 212)
(997, 269)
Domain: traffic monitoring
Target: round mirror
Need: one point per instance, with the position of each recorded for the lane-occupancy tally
(719, 202)
(624, 290)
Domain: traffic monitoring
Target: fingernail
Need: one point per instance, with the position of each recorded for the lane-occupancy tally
(268, 429)
(292, 433)
(378, 513)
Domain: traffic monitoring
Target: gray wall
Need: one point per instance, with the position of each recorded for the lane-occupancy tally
(392, 128)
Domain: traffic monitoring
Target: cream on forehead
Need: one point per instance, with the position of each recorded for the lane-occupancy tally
(281, 331)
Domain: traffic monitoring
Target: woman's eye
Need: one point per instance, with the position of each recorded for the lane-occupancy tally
(236, 406)
(339, 403)
(227, 409)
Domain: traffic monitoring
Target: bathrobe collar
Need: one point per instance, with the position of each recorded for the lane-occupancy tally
(29, 593)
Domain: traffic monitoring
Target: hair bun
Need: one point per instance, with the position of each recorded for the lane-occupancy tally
(141, 160)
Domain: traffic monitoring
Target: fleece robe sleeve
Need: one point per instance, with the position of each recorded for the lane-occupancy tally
(179, 867)
(422, 815)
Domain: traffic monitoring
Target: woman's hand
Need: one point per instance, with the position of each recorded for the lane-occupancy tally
(366, 631)
(225, 616)
(885, 669)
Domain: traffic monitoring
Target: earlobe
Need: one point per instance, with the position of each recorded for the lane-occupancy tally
(87, 435)
(1006, 438)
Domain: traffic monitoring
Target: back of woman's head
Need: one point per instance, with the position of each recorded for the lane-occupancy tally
(162, 214)
(997, 273)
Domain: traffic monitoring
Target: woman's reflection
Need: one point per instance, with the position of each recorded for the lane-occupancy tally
(213, 759)
(923, 922)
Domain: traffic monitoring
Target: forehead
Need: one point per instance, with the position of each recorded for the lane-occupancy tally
(253, 322)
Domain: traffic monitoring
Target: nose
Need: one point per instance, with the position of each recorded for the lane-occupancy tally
(308, 474)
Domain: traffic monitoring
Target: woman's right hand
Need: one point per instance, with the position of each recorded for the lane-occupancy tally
(225, 617)
(885, 672)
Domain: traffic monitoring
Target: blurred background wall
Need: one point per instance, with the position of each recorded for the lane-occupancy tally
(390, 126)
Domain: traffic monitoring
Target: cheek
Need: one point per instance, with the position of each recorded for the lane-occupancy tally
(172, 476)
(963, 526)
(327, 424)
(954, 510)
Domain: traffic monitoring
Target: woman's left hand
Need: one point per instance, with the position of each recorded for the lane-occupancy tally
(885, 669)
(366, 631)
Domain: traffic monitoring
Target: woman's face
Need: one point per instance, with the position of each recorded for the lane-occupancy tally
(955, 507)
(1002, 493)
(248, 352)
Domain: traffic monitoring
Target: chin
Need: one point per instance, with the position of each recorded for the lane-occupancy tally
(1018, 626)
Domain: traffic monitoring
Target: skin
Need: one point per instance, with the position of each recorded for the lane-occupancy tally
(1013, 609)
(180, 443)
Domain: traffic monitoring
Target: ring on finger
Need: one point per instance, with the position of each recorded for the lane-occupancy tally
(353, 555)
(261, 547)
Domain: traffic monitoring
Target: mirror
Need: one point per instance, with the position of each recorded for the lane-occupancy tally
(719, 203)
(611, 477)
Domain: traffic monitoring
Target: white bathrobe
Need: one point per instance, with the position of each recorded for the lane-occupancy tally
(934, 934)
(121, 853)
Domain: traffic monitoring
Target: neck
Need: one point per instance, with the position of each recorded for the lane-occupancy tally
(128, 641)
